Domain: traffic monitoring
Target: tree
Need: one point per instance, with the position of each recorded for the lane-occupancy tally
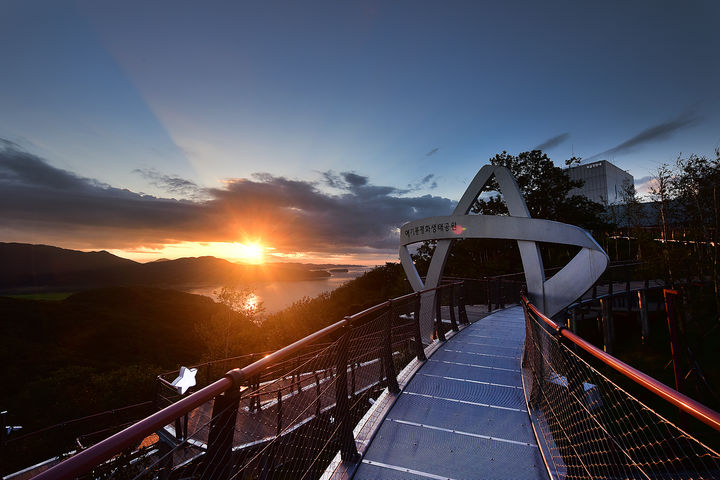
(223, 333)
(661, 191)
(632, 213)
(696, 190)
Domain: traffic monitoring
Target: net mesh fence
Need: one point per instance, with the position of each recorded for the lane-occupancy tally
(590, 427)
(291, 419)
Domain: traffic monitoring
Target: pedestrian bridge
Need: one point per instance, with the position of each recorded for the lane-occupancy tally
(503, 395)
(423, 386)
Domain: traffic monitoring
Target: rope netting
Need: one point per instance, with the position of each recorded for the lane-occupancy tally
(292, 418)
(590, 427)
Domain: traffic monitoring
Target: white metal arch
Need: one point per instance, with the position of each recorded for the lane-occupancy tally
(550, 295)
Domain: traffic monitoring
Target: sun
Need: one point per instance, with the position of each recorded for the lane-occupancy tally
(249, 252)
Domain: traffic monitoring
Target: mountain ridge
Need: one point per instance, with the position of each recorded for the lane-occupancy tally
(29, 267)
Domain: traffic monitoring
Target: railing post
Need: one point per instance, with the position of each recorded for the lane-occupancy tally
(352, 379)
(461, 305)
(501, 300)
(317, 394)
(165, 466)
(220, 438)
(670, 296)
(608, 327)
(390, 374)
(438, 319)
(419, 350)
(156, 397)
(346, 441)
(627, 290)
(489, 296)
(255, 395)
(279, 412)
(451, 305)
(178, 430)
(644, 323)
(3, 439)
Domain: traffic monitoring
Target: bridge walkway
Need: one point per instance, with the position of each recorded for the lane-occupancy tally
(463, 414)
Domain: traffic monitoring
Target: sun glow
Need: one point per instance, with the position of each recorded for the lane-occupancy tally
(249, 252)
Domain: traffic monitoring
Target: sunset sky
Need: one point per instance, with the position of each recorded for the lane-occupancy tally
(309, 131)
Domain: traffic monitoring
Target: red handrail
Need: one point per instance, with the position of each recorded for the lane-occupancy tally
(106, 449)
(683, 402)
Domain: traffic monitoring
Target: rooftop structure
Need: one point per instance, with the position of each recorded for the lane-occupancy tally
(603, 181)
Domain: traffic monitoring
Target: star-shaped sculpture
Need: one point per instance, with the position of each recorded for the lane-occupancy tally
(185, 380)
(551, 295)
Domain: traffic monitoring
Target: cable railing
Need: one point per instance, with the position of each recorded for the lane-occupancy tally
(590, 427)
(36, 447)
(285, 415)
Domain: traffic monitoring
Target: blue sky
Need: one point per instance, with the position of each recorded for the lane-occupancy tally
(144, 96)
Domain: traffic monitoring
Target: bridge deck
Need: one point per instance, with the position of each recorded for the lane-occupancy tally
(463, 414)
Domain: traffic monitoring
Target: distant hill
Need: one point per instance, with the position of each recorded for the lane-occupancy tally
(24, 264)
(28, 267)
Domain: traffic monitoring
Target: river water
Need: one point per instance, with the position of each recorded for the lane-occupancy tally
(275, 296)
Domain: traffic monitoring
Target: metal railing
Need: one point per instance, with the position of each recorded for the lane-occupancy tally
(589, 427)
(287, 413)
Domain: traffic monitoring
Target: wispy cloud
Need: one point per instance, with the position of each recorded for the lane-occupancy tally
(432, 152)
(41, 202)
(172, 183)
(661, 131)
(427, 182)
(553, 142)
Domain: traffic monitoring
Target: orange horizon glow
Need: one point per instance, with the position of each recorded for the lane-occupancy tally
(247, 252)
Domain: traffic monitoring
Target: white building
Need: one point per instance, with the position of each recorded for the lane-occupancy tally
(603, 181)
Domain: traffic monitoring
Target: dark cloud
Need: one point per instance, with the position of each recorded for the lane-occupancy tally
(51, 205)
(553, 142)
(432, 152)
(658, 132)
(354, 179)
(172, 183)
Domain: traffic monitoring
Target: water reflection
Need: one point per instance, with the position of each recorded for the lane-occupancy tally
(252, 302)
(277, 295)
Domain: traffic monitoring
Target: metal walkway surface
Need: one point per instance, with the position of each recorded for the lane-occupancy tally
(463, 414)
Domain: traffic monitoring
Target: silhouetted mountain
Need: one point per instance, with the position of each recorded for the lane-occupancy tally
(24, 264)
(41, 267)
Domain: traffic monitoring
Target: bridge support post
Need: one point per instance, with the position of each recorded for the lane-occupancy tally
(644, 323)
(220, 438)
(627, 291)
(438, 317)
(419, 350)
(501, 300)
(390, 374)
(489, 295)
(461, 305)
(608, 325)
(451, 305)
(345, 439)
